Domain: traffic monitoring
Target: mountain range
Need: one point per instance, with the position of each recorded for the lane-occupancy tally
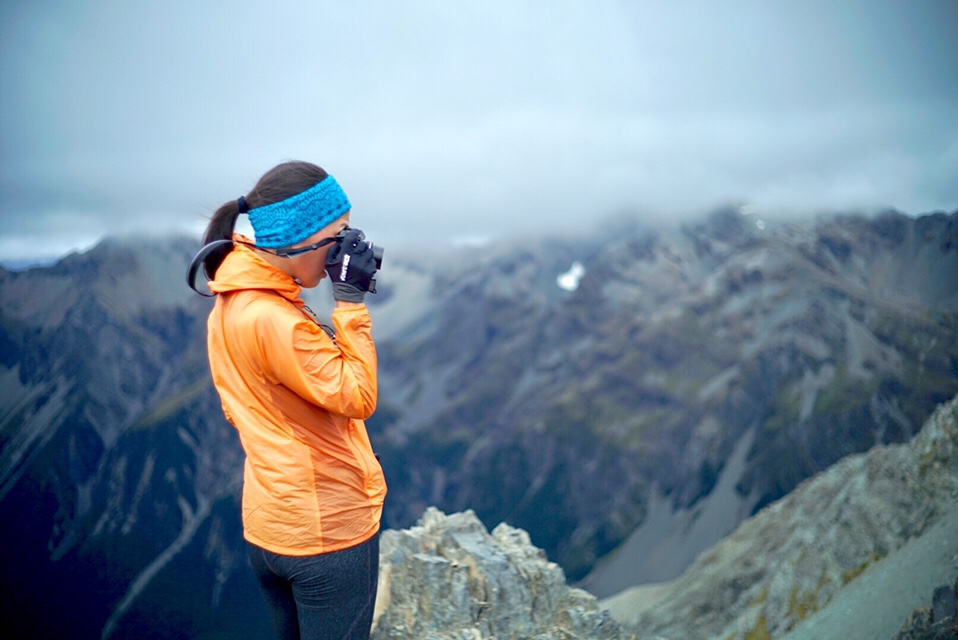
(648, 385)
(790, 345)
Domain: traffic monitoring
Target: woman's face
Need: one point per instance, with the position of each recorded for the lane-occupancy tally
(310, 267)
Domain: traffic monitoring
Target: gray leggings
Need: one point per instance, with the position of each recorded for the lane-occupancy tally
(323, 597)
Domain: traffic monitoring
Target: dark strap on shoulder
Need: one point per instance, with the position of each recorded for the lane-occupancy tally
(198, 260)
(308, 313)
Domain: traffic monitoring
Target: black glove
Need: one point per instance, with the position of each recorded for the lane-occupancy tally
(351, 266)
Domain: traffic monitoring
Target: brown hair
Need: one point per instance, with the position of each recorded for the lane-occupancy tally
(277, 184)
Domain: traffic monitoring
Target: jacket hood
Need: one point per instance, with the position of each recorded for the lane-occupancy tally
(244, 269)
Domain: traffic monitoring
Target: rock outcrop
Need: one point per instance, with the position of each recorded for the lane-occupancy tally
(448, 578)
(937, 622)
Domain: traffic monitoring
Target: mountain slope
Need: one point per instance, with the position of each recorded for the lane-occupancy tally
(116, 461)
(886, 590)
(869, 529)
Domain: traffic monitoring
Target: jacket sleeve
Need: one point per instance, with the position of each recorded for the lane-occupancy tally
(339, 377)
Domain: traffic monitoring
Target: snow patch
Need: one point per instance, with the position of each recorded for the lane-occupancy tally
(569, 281)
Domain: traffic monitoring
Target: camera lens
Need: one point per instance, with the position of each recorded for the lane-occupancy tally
(378, 256)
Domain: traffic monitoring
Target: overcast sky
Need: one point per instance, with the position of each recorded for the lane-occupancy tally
(448, 120)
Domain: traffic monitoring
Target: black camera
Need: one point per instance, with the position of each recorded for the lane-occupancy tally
(377, 250)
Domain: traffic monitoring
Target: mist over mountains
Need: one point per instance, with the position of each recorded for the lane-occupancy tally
(697, 373)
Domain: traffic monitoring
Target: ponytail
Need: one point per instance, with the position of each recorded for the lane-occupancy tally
(277, 184)
(220, 228)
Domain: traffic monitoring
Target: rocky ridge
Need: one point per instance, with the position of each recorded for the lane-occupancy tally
(937, 622)
(794, 557)
(448, 578)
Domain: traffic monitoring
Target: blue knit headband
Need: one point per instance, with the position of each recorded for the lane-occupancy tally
(284, 223)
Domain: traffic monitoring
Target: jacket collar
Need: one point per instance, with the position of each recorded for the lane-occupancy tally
(243, 269)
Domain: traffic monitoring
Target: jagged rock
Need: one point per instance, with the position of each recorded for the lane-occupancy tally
(938, 622)
(945, 604)
(447, 578)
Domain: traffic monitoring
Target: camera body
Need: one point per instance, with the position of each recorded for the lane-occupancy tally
(377, 250)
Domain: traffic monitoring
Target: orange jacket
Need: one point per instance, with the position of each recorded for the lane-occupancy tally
(298, 399)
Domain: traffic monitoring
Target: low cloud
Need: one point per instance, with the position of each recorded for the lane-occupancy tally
(470, 119)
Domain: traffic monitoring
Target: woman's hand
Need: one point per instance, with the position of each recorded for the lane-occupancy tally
(351, 267)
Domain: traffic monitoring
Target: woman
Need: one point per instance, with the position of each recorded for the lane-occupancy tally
(298, 393)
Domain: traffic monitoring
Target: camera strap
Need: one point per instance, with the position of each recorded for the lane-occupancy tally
(311, 315)
(198, 260)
